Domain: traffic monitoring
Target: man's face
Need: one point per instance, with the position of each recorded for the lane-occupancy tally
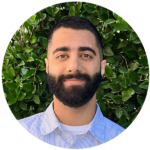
(73, 66)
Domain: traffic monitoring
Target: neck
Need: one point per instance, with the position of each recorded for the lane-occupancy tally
(73, 116)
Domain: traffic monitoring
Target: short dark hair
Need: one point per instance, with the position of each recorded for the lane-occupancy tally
(77, 23)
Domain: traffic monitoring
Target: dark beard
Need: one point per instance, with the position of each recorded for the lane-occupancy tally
(74, 95)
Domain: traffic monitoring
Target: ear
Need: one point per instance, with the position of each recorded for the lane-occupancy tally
(46, 62)
(103, 64)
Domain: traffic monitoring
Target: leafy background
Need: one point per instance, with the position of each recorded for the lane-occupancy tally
(122, 92)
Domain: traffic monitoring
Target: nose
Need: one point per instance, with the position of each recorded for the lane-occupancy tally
(74, 65)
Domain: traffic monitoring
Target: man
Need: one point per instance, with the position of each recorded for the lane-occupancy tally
(74, 66)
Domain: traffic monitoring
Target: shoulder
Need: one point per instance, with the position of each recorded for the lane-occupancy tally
(112, 129)
(32, 123)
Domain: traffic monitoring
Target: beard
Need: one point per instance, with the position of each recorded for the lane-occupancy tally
(74, 95)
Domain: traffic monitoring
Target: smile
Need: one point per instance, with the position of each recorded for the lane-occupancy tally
(73, 81)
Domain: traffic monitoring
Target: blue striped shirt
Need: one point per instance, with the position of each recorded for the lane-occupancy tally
(47, 128)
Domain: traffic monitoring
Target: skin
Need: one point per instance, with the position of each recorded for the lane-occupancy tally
(71, 60)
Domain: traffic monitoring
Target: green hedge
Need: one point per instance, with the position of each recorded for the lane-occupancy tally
(122, 92)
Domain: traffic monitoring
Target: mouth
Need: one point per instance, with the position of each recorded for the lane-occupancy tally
(73, 81)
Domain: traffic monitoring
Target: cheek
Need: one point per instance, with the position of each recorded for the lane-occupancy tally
(55, 68)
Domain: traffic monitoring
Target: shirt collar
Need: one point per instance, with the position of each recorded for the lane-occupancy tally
(50, 123)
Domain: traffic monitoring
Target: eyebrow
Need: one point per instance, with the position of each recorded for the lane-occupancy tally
(84, 48)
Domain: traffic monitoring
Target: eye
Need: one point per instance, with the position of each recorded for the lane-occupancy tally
(61, 55)
(83, 54)
(87, 55)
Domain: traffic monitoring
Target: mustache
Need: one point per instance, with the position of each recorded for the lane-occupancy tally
(77, 76)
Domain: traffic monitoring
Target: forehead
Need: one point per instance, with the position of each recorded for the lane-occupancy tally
(72, 38)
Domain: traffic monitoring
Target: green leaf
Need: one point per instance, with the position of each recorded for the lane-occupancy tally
(91, 5)
(38, 79)
(122, 44)
(56, 10)
(33, 39)
(72, 11)
(143, 61)
(137, 89)
(118, 79)
(134, 66)
(28, 49)
(110, 60)
(119, 112)
(49, 10)
(136, 41)
(130, 106)
(116, 16)
(23, 105)
(122, 121)
(34, 90)
(42, 68)
(108, 71)
(104, 108)
(21, 63)
(132, 75)
(6, 90)
(21, 96)
(121, 27)
(12, 85)
(108, 95)
(11, 98)
(43, 42)
(125, 95)
(26, 38)
(115, 87)
(78, 6)
(17, 109)
(36, 99)
(29, 95)
(18, 46)
(110, 21)
(109, 38)
(6, 62)
(11, 71)
(30, 59)
(6, 75)
(141, 52)
(22, 56)
(44, 56)
(24, 71)
(102, 10)
(34, 56)
(104, 85)
(140, 99)
(144, 85)
(127, 125)
(131, 53)
(17, 92)
(88, 8)
(130, 91)
(107, 51)
(133, 116)
(32, 18)
(27, 87)
(28, 25)
(123, 69)
(29, 74)
(117, 99)
(95, 21)
(133, 36)
(143, 71)
(70, 4)
(17, 79)
(126, 114)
